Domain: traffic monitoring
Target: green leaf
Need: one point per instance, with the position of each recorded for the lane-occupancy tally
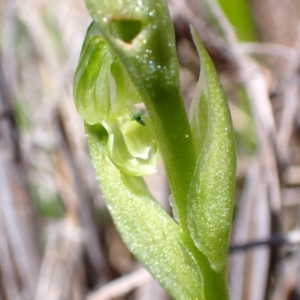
(240, 16)
(210, 199)
(150, 233)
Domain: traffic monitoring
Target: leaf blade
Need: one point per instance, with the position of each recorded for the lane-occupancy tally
(150, 234)
(210, 198)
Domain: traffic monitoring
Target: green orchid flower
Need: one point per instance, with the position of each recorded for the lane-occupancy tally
(105, 94)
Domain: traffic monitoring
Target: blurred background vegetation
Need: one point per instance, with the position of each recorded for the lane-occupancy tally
(57, 240)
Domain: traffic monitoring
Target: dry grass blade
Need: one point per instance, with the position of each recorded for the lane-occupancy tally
(291, 104)
(61, 264)
(121, 286)
(17, 211)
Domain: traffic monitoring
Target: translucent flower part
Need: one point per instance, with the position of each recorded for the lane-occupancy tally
(131, 145)
(105, 94)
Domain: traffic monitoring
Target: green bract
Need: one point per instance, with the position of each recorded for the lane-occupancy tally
(212, 188)
(128, 58)
(146, 228)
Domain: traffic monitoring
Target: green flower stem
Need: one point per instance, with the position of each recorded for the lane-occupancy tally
(151, 61)
(133, 41)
